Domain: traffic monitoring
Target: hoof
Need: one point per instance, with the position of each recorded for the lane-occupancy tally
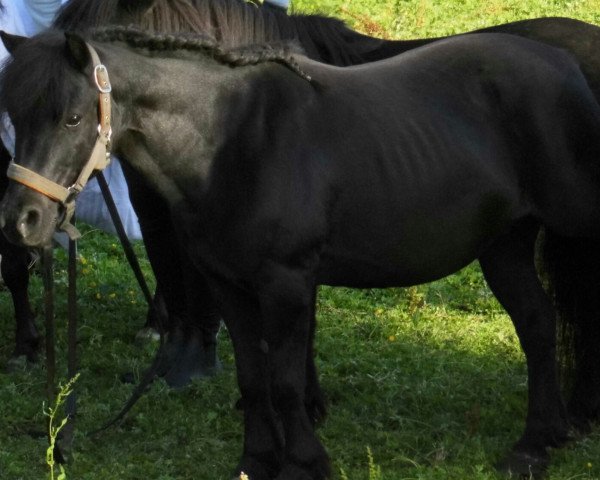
(582, 426)
(524, 465)
(316, 409)
(582, 417)
(251, 469)
(180, 368)
(293, 472)
(128, 378)
(241, 476)
(63, 453)
(193, 362)
(18, 363)
(147, 335)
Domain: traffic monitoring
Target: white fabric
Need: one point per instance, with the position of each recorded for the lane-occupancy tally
(279, 3)
(28, 17)
(36, 15)
(11, 22)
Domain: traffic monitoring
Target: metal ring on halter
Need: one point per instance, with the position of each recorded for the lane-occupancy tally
(72, 194)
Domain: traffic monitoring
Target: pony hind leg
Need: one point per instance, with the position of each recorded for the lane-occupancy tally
(315, 401)
(509, 268)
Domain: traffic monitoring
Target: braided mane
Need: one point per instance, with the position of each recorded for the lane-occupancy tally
(24, 89)
(280, 52)
(232, 22)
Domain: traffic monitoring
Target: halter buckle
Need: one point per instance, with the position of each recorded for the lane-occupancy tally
(103, 84)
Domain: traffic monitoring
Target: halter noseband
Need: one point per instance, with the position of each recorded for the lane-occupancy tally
(99, 158)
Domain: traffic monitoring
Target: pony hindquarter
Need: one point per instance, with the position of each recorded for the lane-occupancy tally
(348, 185)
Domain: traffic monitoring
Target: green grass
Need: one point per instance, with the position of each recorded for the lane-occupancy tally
(431, 379)
(428, 18)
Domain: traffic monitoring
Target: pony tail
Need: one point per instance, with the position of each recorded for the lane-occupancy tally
(570, 268)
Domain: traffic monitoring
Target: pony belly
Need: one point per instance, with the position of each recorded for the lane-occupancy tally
(401, 265)
(418, 243)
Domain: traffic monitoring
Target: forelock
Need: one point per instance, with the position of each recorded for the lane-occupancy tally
(34, 79)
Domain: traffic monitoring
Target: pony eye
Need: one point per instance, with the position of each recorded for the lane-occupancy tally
(73, 120)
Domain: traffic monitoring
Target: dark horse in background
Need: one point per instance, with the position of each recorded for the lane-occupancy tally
(236, 23)
(15, 273)
(290, 174)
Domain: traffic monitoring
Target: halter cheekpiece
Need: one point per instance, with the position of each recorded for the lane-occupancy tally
(99, 158)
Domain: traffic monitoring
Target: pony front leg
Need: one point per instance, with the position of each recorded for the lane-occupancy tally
(262, 456)
(287, 298)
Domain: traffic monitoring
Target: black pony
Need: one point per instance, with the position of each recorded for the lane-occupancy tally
(289, 174)
(236, 23)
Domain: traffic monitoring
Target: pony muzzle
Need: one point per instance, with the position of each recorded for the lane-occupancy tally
(64, 196)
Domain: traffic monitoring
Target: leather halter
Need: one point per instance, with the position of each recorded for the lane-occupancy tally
(99, 158)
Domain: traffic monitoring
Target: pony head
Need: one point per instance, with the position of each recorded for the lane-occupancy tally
(48, 90)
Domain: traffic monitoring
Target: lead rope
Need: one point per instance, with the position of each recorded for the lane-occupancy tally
(127, 248)
(48, 281)
(62, 450)
(150, 374)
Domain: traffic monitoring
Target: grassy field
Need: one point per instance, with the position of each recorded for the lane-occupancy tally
(431, 379)
(424, 18)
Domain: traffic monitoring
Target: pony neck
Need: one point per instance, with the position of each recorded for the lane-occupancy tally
(176, 115)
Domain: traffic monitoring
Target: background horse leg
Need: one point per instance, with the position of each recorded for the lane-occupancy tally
(15, 272)
(193, 320)
(509, 269)
(287, 297)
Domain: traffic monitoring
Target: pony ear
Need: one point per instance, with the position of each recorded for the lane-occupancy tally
(11, 42)
(77, 51)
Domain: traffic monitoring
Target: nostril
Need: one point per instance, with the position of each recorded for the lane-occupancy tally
(29, 222)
